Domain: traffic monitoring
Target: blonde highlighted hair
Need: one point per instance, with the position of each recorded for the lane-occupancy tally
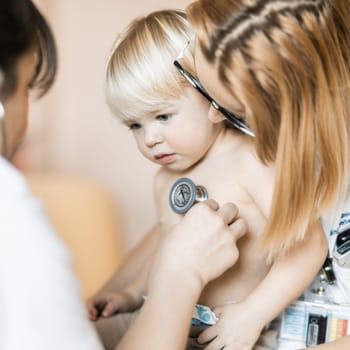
(140, 74)
(288, 63)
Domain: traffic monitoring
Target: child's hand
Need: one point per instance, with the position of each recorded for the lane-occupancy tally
(237, 328)
(107, 304)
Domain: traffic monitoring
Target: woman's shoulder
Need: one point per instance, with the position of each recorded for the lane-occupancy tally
(20, 211)
(13, 184)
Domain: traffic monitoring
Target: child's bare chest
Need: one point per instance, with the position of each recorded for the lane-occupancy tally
(179, 191)
(251, 268)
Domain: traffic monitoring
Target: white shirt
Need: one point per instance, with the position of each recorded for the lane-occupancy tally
(334, 223)
(40, 302)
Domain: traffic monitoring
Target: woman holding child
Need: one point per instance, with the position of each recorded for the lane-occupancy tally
(283, 68)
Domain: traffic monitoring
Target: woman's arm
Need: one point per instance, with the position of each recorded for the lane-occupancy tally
(289, 276)
(165, 317)
(240, 324)
(339, 344)
(123, 291)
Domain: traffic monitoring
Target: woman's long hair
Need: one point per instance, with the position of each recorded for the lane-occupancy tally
(288, 63)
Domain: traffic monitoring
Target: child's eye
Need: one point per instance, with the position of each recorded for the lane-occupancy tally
(134, 126)
(163, 117)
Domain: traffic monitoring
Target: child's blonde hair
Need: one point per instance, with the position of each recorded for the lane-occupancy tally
(140, 72)
(288, 63)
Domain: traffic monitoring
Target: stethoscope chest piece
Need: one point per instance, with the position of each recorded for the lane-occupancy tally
(184, 193)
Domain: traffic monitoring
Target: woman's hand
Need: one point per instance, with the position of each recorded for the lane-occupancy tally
(238, 328)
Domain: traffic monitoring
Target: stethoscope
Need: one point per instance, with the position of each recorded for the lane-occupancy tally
(184, 193)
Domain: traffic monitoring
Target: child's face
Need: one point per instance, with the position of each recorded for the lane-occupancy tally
(179, 134)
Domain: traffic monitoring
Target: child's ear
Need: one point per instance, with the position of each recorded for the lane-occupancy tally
(215, 116)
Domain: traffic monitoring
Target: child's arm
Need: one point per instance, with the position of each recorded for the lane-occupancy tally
(121, 291)
(125, 299)
(134, 262)
(240, 324)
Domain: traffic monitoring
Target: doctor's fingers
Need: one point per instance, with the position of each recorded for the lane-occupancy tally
(232, 234)
(230, 216)
(212, 204)
(229, 213)
(239, 228)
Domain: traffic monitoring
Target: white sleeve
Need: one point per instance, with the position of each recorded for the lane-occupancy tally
(40, 301)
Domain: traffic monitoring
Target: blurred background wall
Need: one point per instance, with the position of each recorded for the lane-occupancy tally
(71, 130)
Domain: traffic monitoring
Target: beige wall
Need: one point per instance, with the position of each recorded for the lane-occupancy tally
(71, 130)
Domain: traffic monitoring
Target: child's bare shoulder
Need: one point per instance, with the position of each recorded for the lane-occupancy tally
(162, 183)
(163, 179)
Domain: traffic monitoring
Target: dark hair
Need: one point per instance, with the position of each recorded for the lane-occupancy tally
(22, 28)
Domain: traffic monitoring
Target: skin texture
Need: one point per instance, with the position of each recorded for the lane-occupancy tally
(16, 105)
(171, 131)
(188, 268)
(224, 161)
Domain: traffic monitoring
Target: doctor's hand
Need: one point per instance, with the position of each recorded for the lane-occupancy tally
(201, 246)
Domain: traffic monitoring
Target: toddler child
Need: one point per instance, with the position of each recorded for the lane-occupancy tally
(186, 134)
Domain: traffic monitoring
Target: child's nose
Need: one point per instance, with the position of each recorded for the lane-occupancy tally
(152, 137)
